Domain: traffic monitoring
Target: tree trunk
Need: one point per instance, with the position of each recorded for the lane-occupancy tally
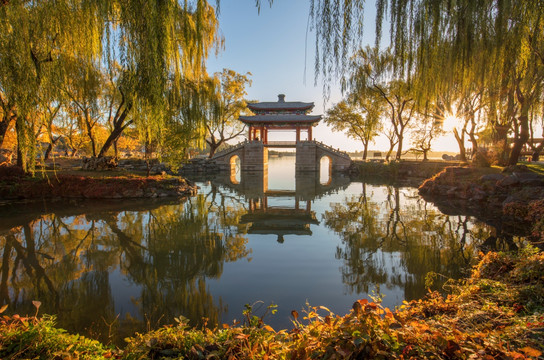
(118, 128)
(147, 156)
(115, 149)
(523, 128)
(536, 151)
(50, 148)
(520, 141)
(425, 151)
(213, 143)
(365, 150)
(461, 143)
(4, 125)
(4, 289)
(399, 146)
(115, 134)
(472, 136)
(501, 139)
(390, 151)
(213, 147)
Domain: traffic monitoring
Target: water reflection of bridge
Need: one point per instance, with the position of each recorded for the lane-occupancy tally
(265, 219)
(280, 212)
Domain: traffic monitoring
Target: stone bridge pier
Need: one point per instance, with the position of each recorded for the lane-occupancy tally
(310, 153)
(253, 156)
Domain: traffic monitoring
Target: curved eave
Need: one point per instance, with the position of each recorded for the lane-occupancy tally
(280, 119)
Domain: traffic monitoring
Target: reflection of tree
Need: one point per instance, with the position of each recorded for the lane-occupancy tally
(381, 241)
(167, 253)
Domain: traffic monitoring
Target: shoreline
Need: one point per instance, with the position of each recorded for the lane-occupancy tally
(512, 198)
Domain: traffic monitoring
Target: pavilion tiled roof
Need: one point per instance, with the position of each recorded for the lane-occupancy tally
(278, 106)
(281, 119)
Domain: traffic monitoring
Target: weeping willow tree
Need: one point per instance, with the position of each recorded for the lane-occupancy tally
(156, 44)
(163, 49)
(33, 36)
(228, 104)
(445, 45)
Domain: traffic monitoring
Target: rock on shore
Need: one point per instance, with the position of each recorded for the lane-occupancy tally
(515, 195)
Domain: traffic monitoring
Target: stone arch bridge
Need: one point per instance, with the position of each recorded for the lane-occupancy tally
(253, 156)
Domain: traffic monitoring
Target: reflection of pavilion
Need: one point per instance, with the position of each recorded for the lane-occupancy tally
(279, 212)
(279, 221)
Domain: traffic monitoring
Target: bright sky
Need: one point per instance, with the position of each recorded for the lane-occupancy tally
(272, 46)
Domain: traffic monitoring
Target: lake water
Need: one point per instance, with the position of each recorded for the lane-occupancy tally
(108, 269)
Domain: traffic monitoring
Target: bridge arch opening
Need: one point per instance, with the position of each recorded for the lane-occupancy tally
(325, 170)
(235, 169)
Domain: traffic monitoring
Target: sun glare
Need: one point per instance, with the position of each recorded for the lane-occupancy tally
(450, 122)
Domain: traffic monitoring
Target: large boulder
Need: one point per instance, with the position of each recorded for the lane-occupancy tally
(99, 163)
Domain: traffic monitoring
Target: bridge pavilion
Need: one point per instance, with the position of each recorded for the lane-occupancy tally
(280, 115)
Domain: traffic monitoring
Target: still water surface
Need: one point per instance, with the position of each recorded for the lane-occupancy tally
(111, 268)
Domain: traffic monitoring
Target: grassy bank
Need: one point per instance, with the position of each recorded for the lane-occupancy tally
(496, 313)
(15, 185)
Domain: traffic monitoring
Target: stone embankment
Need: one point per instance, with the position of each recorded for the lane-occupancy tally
(110, 163)
(200, 166)
(514, 196)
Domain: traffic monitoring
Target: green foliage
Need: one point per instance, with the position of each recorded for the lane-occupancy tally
(361, 120)
(227, 103)
(33, 338)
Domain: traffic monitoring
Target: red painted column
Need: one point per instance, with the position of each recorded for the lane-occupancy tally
(265, 136)
(310, 133)
(298, 134)
(250, 133)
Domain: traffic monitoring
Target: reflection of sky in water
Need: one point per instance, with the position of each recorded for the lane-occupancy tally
(281, 173)
(125, 293)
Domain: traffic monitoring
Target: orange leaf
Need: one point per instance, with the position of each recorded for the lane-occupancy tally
(389, 314)
(294, 313)
(363, 301)
(3, 308)
(269, 328)
(531, 352)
